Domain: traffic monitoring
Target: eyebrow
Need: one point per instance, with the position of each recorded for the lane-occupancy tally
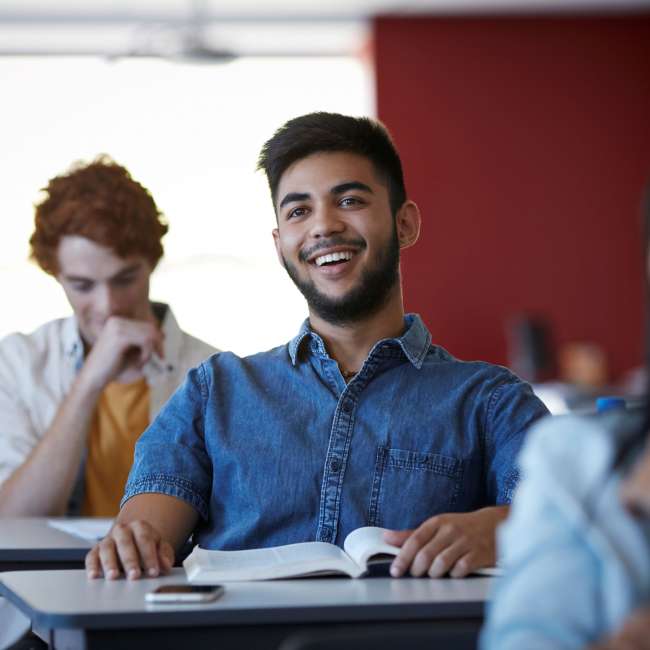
(341, 188)
(292, 197)
(127, 270)
(350, 185)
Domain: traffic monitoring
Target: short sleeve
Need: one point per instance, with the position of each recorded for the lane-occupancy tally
(170, 456)
(512, 409)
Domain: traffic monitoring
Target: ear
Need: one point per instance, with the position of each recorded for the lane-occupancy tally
(276, 240)
(407, 222)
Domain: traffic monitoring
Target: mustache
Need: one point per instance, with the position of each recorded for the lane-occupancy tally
(336, 240)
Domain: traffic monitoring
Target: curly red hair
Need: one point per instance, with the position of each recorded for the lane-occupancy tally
(99, 201)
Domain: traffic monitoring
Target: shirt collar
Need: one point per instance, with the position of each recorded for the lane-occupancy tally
(415, 342)
(172, 339)
(296, 342)
(73, 346)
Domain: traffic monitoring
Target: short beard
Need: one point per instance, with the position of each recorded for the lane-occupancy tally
(362, 301)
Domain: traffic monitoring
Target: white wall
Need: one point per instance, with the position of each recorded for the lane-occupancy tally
(191, 134)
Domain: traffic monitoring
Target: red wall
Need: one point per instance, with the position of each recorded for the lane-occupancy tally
(526, 144)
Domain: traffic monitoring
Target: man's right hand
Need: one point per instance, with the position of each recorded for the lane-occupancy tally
(133, 549)
(120, 351)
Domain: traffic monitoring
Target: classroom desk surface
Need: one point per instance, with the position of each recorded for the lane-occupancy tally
(31, 543)
(69, 610)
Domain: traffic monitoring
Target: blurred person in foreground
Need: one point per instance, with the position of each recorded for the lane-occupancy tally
(576, 548)
(76, 393)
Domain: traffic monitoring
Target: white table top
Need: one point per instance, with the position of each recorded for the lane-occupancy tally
(33, 539)
(68, 599)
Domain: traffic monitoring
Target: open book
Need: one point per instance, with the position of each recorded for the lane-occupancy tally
(362, 548)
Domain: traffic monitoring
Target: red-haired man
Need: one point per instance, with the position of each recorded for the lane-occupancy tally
(77, 393)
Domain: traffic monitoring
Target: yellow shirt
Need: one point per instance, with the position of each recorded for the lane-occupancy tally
(122, 414)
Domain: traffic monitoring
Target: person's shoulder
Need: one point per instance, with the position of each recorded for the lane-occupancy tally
(48, 338)
(438, 355)
(439, 359)
(195, 350)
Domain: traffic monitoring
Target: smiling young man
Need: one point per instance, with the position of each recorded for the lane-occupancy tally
(359, 420)
(76, 393)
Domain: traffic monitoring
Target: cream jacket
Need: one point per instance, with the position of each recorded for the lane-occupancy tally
(37, 370)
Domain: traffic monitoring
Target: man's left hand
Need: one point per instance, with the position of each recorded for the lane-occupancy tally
(454, 544)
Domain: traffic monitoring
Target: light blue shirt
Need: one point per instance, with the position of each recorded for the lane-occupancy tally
(576, 562)
(276, 448)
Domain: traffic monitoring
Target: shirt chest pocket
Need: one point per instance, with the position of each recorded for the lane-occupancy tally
(410, 486)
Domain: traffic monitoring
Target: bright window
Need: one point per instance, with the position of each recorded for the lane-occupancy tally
(191, 134)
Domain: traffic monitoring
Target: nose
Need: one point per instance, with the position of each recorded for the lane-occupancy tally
(325, 222)
(106, 301)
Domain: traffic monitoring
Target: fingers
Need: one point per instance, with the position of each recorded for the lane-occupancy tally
(397, 537)
(135, 549)
(437, 557)
(165, 556)
(452, 543)
(465, 565)
(410, 547)
(93, 567)
(152, 345)
(145, 352)
(108, 559)
(129, 550)
(122, 344)
(147, 546)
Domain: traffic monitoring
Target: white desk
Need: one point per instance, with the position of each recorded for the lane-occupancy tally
(31, 543)
(70, 611)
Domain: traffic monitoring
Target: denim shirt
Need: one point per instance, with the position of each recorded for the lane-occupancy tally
(276, 448)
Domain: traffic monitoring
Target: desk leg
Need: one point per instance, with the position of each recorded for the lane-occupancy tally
(43, 633)
(62, 639)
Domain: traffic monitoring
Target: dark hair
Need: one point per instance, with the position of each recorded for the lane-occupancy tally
(99, 201)
(322, 132)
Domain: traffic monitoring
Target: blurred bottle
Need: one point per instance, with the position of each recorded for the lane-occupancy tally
(609, 403)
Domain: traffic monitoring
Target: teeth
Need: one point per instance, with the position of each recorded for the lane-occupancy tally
(333, 257)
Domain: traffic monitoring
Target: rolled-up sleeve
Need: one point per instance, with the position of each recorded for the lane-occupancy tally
(512, 409)
(170, 456)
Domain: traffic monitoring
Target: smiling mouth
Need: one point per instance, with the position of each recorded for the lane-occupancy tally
(332, 259)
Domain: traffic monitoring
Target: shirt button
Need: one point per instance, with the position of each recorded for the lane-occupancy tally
(347, 407)
(335, 465)
(326, 534)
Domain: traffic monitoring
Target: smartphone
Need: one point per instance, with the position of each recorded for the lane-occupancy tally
(184, 594)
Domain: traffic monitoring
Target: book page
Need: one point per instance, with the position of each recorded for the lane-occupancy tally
(365, 545)
(307, 558)
(90, 528)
